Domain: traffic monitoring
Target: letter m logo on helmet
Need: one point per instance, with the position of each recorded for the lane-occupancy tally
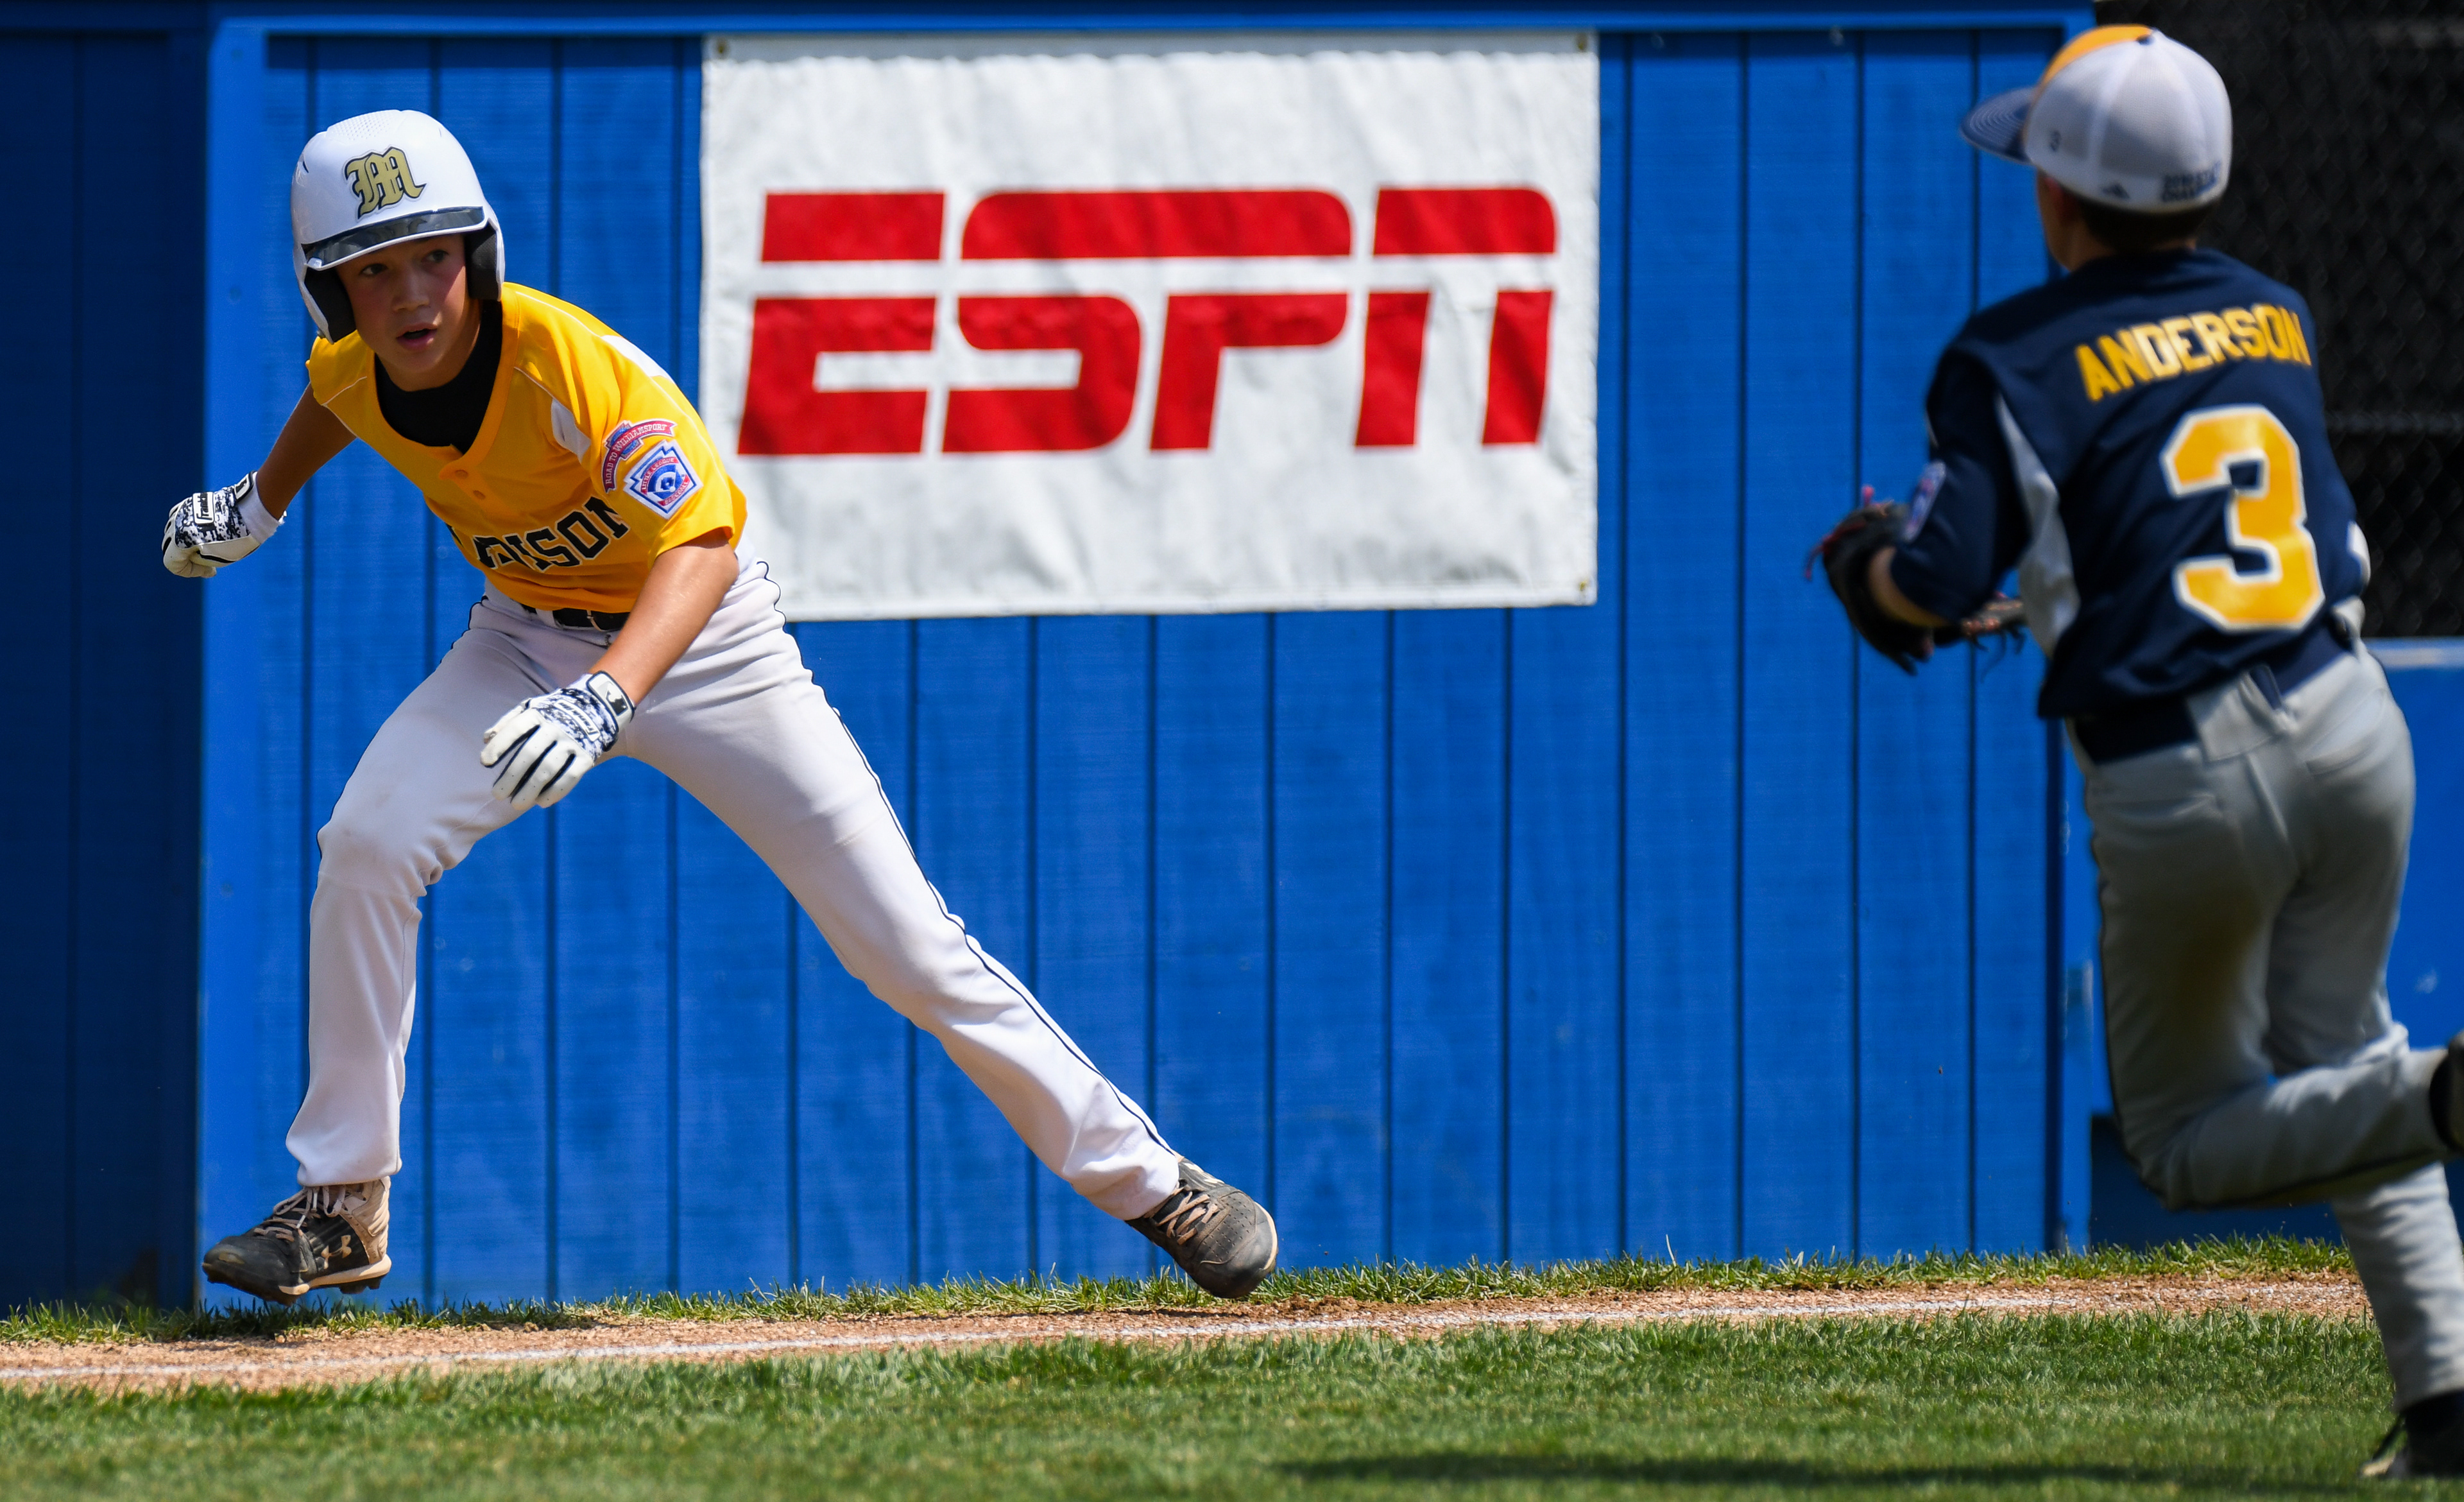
(382, 179)
(354, 191)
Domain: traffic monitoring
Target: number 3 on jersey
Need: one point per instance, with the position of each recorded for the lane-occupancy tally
(2266, 517)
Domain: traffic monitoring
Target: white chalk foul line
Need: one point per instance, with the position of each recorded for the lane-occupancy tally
(1470, 1320)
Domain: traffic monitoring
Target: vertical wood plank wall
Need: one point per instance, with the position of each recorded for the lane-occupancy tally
(1675, 925)
(98, 727)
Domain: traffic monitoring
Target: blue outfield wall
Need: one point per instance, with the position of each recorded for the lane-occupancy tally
(1674, 924)
(2425, 970)
(1659, 925)
(101, 384)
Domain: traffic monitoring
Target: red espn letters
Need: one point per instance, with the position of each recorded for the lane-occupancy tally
(785, 413)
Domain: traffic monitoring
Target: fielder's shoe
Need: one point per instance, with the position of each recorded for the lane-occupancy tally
(330, 1236)
(2447, 1095)
(2433, 1442)
(1221, 1238)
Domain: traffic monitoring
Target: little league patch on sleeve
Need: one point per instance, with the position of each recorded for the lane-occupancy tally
(624, 440)
(662, 479)
(1920, 499)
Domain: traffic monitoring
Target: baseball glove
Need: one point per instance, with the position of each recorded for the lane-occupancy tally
(1847, 557)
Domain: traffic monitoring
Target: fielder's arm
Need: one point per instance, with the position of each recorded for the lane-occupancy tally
(1887, 595)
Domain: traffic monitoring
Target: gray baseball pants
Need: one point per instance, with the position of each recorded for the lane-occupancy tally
(2249, 884)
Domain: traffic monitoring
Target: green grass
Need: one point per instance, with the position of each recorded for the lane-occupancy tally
(2220, 1405)
(1382, 1284)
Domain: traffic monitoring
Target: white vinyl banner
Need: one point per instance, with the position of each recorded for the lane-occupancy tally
(1016, 325)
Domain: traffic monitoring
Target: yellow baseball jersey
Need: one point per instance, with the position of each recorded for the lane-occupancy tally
(590, 464)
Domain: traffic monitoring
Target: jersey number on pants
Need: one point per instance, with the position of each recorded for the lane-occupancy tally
(2264, 516)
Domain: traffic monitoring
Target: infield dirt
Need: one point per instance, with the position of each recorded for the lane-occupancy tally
(322, 1356)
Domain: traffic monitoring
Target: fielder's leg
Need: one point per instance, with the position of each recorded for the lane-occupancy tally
(2402, 1235)
(740, 724)
(2249, 895)
(2253, 1064)
(2351, 824)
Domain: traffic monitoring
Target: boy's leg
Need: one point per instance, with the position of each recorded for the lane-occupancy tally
(2231, 1088)
(2402, 1235)
(414, 807)
(740, 725)
(2351, 759)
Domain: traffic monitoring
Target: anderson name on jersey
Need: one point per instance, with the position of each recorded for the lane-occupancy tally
(2145, 439)
(589, 465)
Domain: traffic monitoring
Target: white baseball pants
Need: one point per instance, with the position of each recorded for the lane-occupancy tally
(740, 724)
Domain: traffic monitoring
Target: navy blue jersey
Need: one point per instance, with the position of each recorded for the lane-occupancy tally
(2144, 440)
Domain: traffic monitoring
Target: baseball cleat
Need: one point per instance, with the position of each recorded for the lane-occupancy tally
(2447, 1095)
(2408, 1464)
(328, 1236)
(2434, 1447)
(1221, 1238)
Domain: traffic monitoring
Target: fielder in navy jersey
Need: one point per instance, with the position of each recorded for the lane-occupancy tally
(2075, 415)
(2144, 441)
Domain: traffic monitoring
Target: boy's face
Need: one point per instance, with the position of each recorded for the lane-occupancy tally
(412, 300)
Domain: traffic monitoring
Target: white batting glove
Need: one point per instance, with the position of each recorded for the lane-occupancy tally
(216, 527)
(544, 744)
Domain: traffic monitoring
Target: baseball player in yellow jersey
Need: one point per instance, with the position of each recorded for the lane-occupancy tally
(618, 619)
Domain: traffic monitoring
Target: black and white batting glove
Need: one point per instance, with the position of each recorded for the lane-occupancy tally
(216, 527)
(544, 744)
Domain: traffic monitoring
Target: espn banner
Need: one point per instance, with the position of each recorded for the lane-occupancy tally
(1012, 325)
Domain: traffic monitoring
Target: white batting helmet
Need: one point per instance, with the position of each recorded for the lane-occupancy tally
(366, 182)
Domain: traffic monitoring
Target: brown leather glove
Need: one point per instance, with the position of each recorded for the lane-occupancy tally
(1847, 555)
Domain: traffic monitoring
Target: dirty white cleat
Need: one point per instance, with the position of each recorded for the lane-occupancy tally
(1221, 1238)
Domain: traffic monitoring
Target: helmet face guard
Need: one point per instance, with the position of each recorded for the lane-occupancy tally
(375, 180)
(331, 305)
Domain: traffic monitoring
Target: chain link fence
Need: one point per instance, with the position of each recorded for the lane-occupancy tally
(2348, 186)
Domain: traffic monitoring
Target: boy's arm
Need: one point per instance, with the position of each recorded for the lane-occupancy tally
(1887, 595)
(678, 600)
(544, 744)
(222, 526)
(1966, 533)
(310, 437)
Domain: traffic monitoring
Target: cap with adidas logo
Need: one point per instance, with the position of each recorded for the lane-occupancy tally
(2123, 116)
